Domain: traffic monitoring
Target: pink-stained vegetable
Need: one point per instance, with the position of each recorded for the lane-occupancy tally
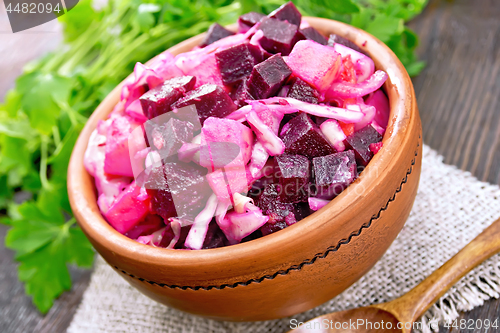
(134, 110)
(237, 226)
(381, 104)
(333, 132)
(206, 72)
(379, 128)
(269, 114)
(239, 115)
(321, 72)
(221, 210)
(175, 225)
(198, 231)
(369, 115)
(226, 182)
(258, 159)
(137, 150)
(108, 188)
(145, 239)
(256, 38)
(134, 86)
(363, 64)
(218, 130)
(271, 142)
(290, 105)
(243, 204)
(354, 90)
(128, 209)
(270, 118)
(188, 151)
(164, 66)
(117, 160)
(316, 203)
(202, 63)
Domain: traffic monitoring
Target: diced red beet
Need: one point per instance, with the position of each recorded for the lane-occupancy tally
(313, 34)
(254, 235)
(177, 189)
(269, 202)
(149, 225)
(241, 94)
(333, 173)
(292, 174)
(302, 210)
(360, 142)
(182, 237)
(302, 91)
(280, 214)
(215, 237)
(279, 36)
(336, 39)
(168, 138)
(214, 33)
(210, 101)
(303, 137)
(158, 101)
(248, 20)
(287, 12)
(156, 186)
(236, 62)
(320, 72)
(128, 209)
(269, 228)
(268, 77)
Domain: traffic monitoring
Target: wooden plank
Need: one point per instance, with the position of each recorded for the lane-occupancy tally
(459, 91)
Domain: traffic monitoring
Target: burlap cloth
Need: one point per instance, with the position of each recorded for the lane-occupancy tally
(451, 208)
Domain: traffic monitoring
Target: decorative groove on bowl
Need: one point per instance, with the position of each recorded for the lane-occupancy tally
(298, 267)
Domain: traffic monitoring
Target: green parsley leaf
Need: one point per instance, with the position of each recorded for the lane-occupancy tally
(41, 94)
(383, 26)
(44, 246)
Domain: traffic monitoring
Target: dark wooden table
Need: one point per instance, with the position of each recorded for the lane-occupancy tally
(459, 99)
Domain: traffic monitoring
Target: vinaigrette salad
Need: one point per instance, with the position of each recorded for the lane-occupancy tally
(242, 136)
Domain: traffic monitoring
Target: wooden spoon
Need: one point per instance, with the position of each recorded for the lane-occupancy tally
(400, 314)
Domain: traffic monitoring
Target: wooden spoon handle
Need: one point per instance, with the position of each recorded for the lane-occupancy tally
(412, 305)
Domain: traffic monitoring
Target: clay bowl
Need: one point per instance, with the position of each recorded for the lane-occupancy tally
(292, 270)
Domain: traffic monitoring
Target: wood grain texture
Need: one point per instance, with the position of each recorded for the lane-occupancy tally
(458, 94)
(459, 91)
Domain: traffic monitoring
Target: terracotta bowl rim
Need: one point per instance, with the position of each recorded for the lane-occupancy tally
(98, 230)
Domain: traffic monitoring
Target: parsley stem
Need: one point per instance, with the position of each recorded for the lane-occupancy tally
(69, 223)
(43, 162)
(56, 136)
